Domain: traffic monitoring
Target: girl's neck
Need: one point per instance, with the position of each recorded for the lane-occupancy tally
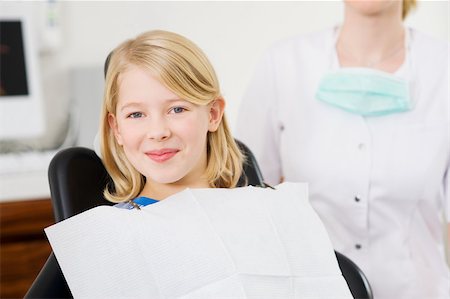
(371, 40)
(159, 191)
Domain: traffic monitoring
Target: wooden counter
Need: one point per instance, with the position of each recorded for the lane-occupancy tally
(24, 246)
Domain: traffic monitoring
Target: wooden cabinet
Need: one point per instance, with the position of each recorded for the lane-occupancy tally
(24, 246)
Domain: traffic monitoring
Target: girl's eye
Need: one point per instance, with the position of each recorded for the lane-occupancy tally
(135, 115)
(178, 109)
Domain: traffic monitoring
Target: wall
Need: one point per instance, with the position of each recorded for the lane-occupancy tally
(233, 34)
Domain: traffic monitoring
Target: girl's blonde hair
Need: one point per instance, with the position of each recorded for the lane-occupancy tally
(407, 6)
(185, 70)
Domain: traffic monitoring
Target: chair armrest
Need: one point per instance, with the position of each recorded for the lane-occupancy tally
(50, 282)
(356, 279)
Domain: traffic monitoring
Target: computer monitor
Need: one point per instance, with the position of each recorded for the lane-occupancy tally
(21, 104)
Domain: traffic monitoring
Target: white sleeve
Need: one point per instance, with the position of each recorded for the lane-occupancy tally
(446, 180)
(258, 126)
(447, 193)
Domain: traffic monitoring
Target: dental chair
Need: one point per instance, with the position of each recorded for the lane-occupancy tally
(77, 178)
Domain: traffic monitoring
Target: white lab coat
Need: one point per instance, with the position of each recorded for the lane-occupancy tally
(379, 184)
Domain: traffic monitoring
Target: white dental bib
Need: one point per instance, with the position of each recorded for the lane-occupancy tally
(237, 243)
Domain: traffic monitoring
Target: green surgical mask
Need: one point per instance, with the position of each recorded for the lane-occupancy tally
(365, 91)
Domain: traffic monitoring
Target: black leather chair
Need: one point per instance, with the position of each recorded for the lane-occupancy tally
(356, 279)
(77, 178)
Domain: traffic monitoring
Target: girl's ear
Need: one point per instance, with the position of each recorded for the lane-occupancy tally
(216, 110)
(112, 121)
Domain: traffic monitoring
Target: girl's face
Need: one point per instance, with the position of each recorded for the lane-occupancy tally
(163, 136)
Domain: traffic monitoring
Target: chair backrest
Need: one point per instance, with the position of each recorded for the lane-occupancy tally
(77, 179)
(356, 279)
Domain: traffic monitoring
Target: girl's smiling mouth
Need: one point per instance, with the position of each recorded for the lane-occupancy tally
(162, 155)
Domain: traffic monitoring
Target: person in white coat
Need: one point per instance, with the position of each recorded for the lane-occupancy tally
(361, 113)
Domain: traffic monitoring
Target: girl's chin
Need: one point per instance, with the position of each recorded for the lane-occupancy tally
(165, 180)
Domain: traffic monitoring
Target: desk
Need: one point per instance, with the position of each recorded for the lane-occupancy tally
(24, 246)
(25, 210)
(24, 176)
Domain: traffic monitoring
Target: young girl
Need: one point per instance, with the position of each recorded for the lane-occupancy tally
(164, 138)
(163, 127)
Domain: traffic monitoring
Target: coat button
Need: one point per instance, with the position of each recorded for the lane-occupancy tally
(358, 246)
(357, 199)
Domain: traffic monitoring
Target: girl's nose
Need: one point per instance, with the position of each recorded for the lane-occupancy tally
(158, 130)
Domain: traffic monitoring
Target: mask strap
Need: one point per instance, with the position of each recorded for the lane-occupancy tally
(334, 60)
(409, 71)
